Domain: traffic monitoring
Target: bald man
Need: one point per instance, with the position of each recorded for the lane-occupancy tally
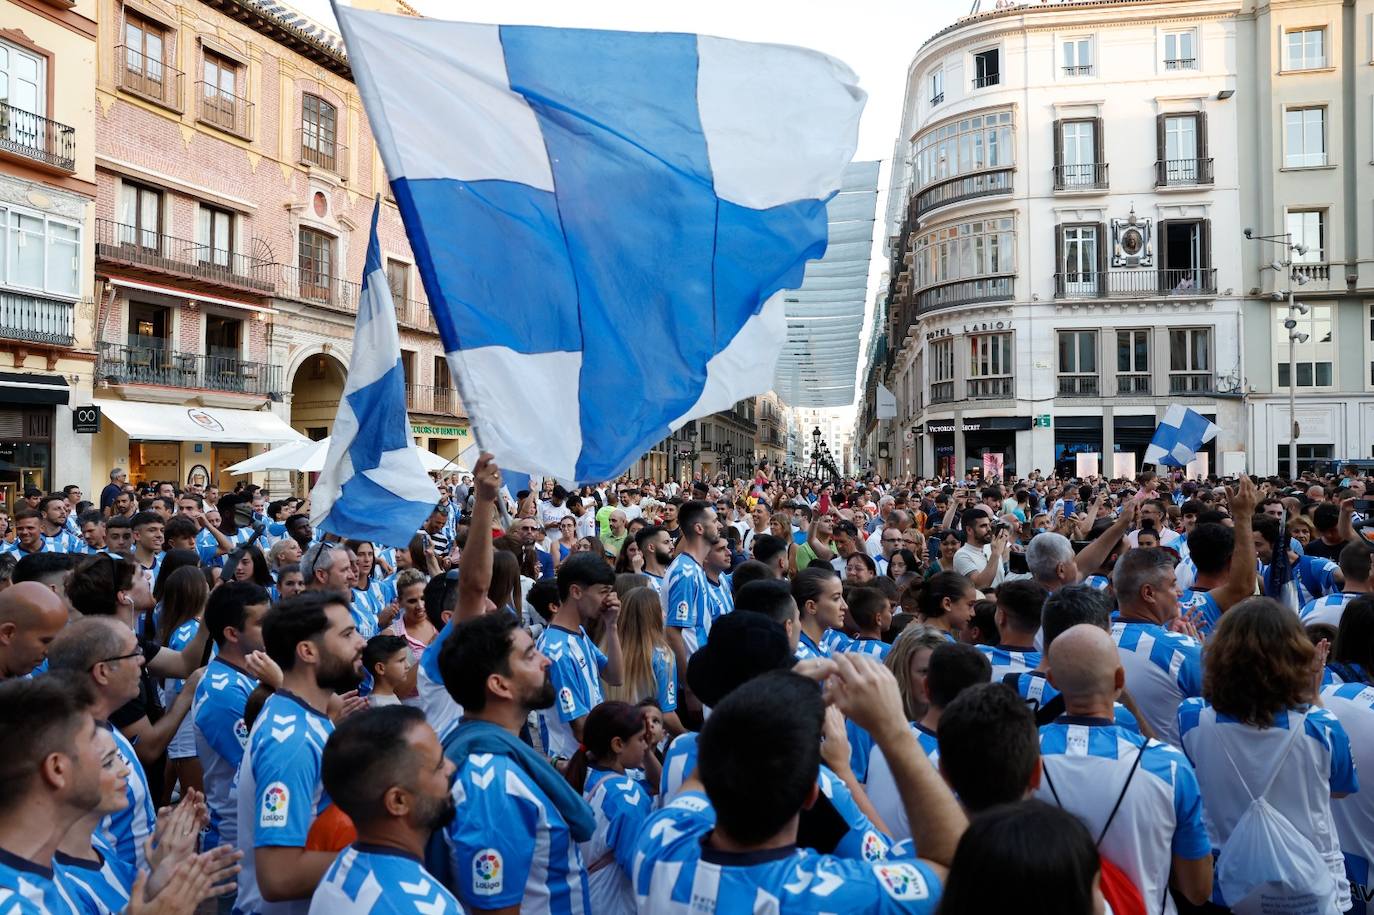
(31, 616)
(1093, 766)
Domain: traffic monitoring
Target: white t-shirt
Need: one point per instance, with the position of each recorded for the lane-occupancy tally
(970, 560)
(1353, 706)
(1319, 765)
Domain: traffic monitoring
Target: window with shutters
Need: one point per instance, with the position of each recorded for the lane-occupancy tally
(315, 264)
(1078, 363)
(146, 61)
(1181, 150)
(319, 133)
(1078, 155)
(1081, 260)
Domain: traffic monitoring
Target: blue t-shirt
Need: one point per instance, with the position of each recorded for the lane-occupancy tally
(676, 872)
(221, 735)
(689, 603)
(575, 665)
(620, 805)
(1006, 660)
(808, 649)
(874, 648)
(375, 880)
(280, 792)
(32, 889)
(665, 679)
(99, 887)
(508, 845)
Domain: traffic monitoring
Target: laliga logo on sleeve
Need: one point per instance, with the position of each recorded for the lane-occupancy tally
(566, 701)
(487, 879)
(684, 612)
(275, 801)
(241, 732)
(902, 881)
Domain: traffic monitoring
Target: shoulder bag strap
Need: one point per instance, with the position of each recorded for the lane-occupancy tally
(1122, 796)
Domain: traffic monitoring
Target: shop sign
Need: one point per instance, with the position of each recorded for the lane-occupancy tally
(1043, 420)
(204, 420)
(86, 420)
(438, 431)
(986, 424)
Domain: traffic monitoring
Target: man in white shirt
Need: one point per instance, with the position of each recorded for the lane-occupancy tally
(983, 559)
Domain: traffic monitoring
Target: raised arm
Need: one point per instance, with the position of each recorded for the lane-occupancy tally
(474, 580)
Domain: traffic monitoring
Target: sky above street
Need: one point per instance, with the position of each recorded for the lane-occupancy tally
(876, 38)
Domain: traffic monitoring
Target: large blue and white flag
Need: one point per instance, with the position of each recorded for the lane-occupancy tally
(373, 486)
(601, 219)
(1179, 436)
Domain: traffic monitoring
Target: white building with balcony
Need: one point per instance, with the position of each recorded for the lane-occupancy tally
(1057, 216)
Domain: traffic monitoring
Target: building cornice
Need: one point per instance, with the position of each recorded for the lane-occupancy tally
(291, 29)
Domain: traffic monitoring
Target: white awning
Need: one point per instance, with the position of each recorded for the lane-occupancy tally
(158, 422)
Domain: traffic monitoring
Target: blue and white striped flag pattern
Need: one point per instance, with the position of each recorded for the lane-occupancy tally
(1278, 578)
(1179, 436)
(601, 219)
(373, 486)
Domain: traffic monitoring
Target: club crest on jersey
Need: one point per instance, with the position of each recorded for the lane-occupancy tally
(487, 876)
(276, 799)
(566, 701)
(903, 882)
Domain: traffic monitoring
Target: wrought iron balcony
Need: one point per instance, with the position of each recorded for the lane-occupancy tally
(1084, 70)
(1192, 383)
(147, 360)
(318, 288)
(1182, 172)
(1081, 177)
(148, 77)
(414, 313)
(966, 292)
(942, 392)
(989, 388)
(35, 318)
(26, 134)
(132, 246)
(1180, 63)
(1133, 384)
(321, 152)
(989, 79)
(993, 182)
(224, 110)
(937, 98)
(1141, 281)
(1079, 386)
(424, 398)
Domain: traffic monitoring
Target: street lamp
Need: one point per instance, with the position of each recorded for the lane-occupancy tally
(1286, 268)
(727, 458)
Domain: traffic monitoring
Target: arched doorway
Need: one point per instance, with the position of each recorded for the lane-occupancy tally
(316, 388)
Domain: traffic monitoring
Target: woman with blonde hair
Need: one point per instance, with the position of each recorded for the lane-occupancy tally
(780, 525)
(909, 660)
(649, 667)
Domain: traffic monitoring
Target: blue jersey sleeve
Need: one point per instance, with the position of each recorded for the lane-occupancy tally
(627, 807)
(574, 695)
(686, 602)
(1191, 841)
(285, 778)
(220, 721)
(665, 680)
(863, 841)
(491, 841)
(1333, 734)
(1190, 673)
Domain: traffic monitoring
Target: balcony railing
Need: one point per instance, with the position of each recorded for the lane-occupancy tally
(1084, 70)
(35, 318)
(124, 244)
(1182, 172)
(989, 388)
(1141, 281)
(26, 134)
(964, 187)
(320, 152)
(414, 313)
(1192, 383)
(1079, 386)
(148, 77)
(318, 289)
(942, 392)
(1133, 384)
(990, 79)
(424, 398)
(937, 98)
(1180, 63)
(966, 292)
(1313, 271)
(1085, 176)
(142, 362)
(224, 110)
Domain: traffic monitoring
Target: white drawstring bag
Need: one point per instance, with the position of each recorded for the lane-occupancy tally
(1268, 867)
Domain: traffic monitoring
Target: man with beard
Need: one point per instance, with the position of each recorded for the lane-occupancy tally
(514, 843)
(384, 767)
(311, 637)
(656, 546)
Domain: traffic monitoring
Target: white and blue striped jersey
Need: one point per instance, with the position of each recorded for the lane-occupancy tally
(1319, 765)
(1162, 669)
(1098, 582)
(183, 743)
(808, 649)
(620, 805)
(679, 761)
(1006, 660)
(874, 648)
(280, 792)
(375, 880)
(1313, 576)
(1036, 691)
(722, 600)
(1190, 601)
(508, 845)
(221, 735)
(882, 787)
(440, 710)
(676, 873)
(656, 582)
(367, 605)
(833, 641)
(1088, 761)
(126, 831)
(1353, 706)
(575, 665)
(689, 604)
(1328, 609)
(32, 889)
(665, 678)
(100, 887)
(19, 552)
(207, 548)
(64, 541)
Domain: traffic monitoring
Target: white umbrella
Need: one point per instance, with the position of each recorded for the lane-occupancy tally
(311, 460)
(283, 457)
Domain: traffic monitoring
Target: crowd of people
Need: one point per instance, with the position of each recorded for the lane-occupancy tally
(726, 695)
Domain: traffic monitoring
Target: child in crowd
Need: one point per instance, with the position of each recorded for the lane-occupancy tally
(387, 659)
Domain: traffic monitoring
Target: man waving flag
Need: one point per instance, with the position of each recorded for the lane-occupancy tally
(601, 219)
(373, 486)
(1180, 435)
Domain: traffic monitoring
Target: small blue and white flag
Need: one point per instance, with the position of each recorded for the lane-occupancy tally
(602, 219)
(1278, 577)
(373, 486)
(1179, 437)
